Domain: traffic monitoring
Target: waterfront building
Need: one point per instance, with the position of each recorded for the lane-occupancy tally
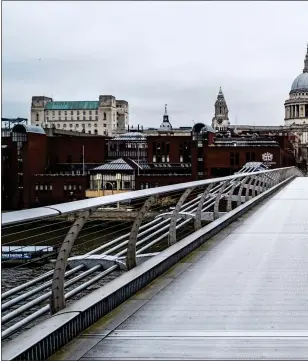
(106, 116)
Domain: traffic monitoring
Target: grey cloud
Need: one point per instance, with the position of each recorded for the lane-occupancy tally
(152, 53)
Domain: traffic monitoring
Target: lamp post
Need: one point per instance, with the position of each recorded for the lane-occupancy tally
(118, 180)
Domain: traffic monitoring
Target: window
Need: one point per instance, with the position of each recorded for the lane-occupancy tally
(90, 111)
(77, 112)
(84, 113)
(95, 125)
(79, 187)
(83, 118)
(72, 112)
(77, 118)
(105, 125)
(64, 125)
(105, 117)
(77, 125)
(95, 131)
(154, 158)
(234, 159)
(83, 125)
(71, 125)
(47, 119)
(65, 187)
(65, 113)
(37, 117)
(96, 117)
(65, 118)
(50, 187)
(96, 112)
(89, 131)
(36, 187)
(89, 125)
(90, 117)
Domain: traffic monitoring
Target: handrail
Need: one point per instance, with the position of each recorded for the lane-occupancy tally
(10, 218)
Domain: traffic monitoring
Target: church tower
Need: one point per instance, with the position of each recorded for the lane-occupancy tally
(221, 119)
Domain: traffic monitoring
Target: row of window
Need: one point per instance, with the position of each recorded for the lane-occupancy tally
(148, 185)
(43, 188)
(47, 187)
(72, 187)
(77, 125)
(72, 119)
(72, 112)
(163, 159)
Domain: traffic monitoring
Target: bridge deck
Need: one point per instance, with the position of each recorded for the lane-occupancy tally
(242, 295)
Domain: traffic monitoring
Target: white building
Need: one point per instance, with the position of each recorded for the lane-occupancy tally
(296, 107)
(106, 116)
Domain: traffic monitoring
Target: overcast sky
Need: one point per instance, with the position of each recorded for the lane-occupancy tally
(152, 53)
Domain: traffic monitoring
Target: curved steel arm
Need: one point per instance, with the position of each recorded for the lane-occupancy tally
(257, 188)
(131, 246)
(57, 299)
(205, 194)
(231, 193)
(218, 197)
(249, 185)
(175, 215)
(239, 196)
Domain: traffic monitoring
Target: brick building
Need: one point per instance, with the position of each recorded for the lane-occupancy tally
(44, 167)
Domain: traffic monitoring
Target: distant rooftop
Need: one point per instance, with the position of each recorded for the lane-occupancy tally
(23, 128)
(74, 105)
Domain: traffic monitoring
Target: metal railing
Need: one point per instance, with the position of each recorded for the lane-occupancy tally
(161, 217)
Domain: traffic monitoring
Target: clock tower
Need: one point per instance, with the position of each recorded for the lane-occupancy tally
(221, 119)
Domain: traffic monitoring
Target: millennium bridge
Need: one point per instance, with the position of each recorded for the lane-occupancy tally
(210, 269)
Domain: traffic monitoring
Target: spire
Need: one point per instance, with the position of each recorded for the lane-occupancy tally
(165, 126)
(306, 62)
(220, 94)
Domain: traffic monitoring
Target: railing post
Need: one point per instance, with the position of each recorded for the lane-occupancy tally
(175, 215)
(217, 200)
(131, 246)
(57, 299)
(203, 197)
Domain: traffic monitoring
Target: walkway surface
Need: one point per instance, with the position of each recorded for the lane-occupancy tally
(242, 295)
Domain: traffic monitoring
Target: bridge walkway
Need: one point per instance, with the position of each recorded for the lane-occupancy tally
(242, 295)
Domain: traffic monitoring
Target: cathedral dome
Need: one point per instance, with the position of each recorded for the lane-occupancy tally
(300, 83)
(207, 129)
